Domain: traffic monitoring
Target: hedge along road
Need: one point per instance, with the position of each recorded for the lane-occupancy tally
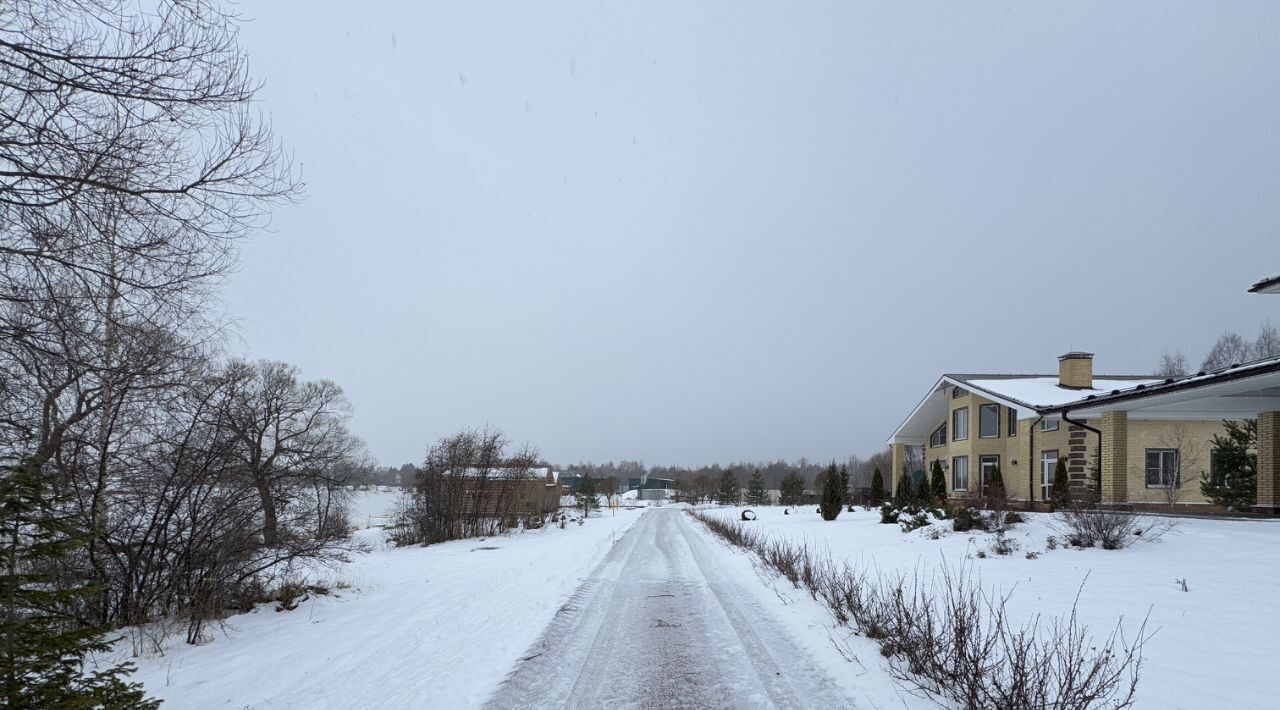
(660, 624)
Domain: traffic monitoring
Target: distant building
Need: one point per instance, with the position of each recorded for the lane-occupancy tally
(649, 488)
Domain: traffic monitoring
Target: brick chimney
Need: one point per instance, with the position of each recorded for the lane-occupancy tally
(1075, 370)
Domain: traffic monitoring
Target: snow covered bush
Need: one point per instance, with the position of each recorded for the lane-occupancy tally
(913, 522)
(966, 518)
(1003, 544)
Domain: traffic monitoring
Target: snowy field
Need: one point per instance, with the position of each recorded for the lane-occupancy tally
(1214, 645)
(374, 507)
(433, 627)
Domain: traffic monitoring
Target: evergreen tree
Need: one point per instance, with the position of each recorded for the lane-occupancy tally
(995, 484)
(878, 493)
(756, 494)
(938, 484)
(586, 494)
(832, 501)
(905, 495)
(792, 488)
(1060, 492)
(924, 494)
(42, 642)
(730, 493)
(844, 483)
(1233, 481)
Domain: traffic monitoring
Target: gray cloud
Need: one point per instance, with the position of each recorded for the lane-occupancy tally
(710, 231)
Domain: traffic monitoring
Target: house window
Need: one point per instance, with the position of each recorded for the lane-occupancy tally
(986, 464)
(960, 473)
(989, 421)
(1048, 466)
(939, 437)
(959, 392)
(1049, 425)
(1013, 421)
(960, 424)
(1162, 468)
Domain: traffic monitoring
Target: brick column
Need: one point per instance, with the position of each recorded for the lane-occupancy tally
(1115, 457)
(1269, 462)
(898, 459)
(1077, 447)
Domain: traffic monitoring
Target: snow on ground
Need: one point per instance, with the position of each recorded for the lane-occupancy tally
(374, 507)
(419, 627)
(1214, 646)
(667, 622)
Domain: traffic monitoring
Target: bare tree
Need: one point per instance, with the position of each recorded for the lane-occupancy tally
(1230, 349)
(293, 444)
(1172, 364)
(470, 485)
(1182, 460)
(102, 98)
(1268, 342)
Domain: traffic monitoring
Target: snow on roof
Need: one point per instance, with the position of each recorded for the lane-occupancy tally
(535, 473)
(1040, 392)
(1132, 389)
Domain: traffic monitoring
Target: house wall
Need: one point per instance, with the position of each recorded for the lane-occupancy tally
(1012, 451)
(1194, 439)
(1077, 447)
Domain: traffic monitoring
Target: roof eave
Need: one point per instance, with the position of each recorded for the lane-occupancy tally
(1271, 285)
(1187, 383)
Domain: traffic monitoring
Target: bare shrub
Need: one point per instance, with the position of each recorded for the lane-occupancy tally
(470, 486)
(1086, 524)
(956, 645)
(950, 642)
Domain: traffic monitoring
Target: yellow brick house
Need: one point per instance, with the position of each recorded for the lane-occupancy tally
(1140, 441)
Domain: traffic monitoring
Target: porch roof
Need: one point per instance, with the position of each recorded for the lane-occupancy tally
(1236, 392)
(1271, 285)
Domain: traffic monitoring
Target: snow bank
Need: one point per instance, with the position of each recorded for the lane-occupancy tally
(433, 627)
(1214, 644)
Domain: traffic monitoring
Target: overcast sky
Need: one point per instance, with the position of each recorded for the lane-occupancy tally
(709, 231)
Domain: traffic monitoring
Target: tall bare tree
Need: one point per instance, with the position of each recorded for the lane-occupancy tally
(1230, 349)
(105, 97)
(292, 443)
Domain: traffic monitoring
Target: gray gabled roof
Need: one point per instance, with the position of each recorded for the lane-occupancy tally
(1271, 285)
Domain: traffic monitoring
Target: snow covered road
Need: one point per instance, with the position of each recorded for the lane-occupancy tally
(661, 623)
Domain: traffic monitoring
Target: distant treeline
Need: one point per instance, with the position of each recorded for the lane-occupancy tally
(706, 479)
(703, 479)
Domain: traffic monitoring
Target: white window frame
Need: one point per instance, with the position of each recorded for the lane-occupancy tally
(956, 429)
(959, 470)
(1169, 478)
(1048, 466)
(1050, 425)
(1012, 417)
